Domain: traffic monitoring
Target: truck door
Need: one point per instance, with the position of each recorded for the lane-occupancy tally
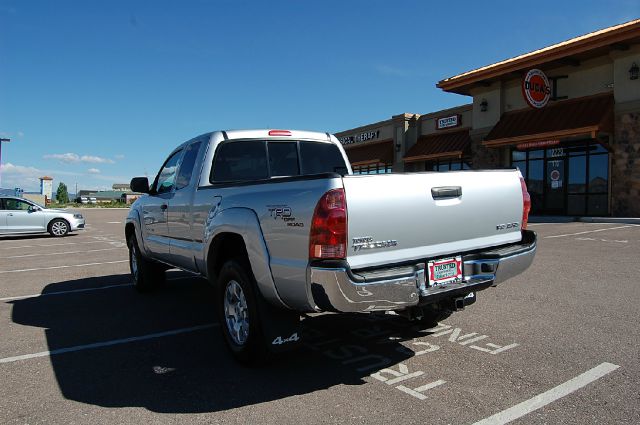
(155, 208)
(180, 218)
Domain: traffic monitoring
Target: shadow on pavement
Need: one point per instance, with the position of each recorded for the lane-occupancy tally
(192, 371)
(28, 236)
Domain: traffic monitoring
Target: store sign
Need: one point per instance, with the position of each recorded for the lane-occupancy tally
(536, 88)
(540, 144)
(362, 137)
(448, 122)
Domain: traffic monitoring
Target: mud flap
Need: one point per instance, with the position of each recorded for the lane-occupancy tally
(280, 327)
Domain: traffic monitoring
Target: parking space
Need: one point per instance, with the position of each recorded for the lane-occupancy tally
(558, 344)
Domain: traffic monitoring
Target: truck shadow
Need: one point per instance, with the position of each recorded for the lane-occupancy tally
(191, 371)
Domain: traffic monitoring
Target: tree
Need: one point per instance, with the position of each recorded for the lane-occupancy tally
(62, 196)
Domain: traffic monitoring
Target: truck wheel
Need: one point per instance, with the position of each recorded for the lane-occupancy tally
(58, 227)
(238, 313)
(146, 274)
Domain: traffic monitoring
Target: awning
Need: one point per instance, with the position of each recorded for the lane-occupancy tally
(440, 145)
(585, 116)
(371, 153)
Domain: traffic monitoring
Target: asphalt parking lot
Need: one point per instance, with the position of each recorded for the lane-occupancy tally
(559, 344)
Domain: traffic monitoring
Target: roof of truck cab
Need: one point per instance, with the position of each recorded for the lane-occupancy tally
(265, 134)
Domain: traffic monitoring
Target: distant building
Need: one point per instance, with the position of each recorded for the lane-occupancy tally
(46, 187)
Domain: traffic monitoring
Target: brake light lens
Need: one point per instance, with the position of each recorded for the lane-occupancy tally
(279, 133)
(328, 234)
(526, 204)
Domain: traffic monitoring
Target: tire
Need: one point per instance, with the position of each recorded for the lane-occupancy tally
(58, 228)
(146, 274)
(237, 307)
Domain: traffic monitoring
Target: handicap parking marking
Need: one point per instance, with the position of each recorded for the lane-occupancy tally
(106, 343)
(547, 397)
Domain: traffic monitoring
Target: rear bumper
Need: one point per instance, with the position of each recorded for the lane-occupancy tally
(340, 289)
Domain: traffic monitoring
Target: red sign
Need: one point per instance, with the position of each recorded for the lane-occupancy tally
(540, 144)
(536, 88)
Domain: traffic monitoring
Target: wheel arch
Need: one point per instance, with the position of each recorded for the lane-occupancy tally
(237, 231)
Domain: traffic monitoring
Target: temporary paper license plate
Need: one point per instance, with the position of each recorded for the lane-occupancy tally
(445, 271)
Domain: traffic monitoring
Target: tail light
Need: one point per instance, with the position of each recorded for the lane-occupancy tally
(526, 204)
(328, 234)
(279, 133)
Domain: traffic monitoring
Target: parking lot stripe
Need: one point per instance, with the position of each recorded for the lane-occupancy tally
(590, 231)
(63, 253)
(106, 343)
(47, 245)
(526, 407)
(62, 267)
(71, 291)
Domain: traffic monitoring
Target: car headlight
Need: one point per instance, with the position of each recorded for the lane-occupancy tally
(77, 216)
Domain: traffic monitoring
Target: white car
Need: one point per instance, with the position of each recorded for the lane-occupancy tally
(18, 216)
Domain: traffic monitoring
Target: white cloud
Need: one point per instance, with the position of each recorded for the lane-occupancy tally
(73, 158)
(96, 159)
(93, 171)
(119, 156)
(20, 176)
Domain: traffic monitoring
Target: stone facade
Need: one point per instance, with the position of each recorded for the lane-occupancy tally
(625, 165)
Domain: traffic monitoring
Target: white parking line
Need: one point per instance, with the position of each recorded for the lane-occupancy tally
(62, 267)
(114, 222)
(526, 407)
(47, 245)
(590, 231)
(62, 253)
(106, 343)
(71, 291)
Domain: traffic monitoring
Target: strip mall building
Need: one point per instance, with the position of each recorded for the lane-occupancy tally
(568, 116)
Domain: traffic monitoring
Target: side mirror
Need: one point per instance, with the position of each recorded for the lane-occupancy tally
(33, 208)
(140, 184)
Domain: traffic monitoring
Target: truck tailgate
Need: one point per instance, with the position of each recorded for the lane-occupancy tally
(400, 217)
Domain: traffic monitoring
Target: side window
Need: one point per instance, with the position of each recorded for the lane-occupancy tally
(167, 176)
(317, 158)
(1, 204)
(240, 161)
(283, 158)
(16, 205)
(186, 167)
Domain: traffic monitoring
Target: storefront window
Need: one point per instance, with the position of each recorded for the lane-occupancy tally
(447, 165)
(372, 169)
(570, 178)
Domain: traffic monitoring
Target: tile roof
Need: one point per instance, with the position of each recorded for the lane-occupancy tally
(562, 119)
(439, 145)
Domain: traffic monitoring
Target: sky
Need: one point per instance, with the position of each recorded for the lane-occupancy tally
(94, 93)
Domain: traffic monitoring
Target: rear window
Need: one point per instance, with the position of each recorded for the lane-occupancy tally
(320, 158)
(257, 160)
(240, 161)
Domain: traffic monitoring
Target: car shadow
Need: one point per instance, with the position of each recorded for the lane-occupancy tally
(33, 236)
(191, 371)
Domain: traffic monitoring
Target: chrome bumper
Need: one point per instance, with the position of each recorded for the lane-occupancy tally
(339, 289)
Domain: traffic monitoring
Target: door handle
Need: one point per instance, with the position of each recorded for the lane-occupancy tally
(163, 207)
(446, 192)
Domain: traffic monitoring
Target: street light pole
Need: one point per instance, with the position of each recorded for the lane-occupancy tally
(2, 140)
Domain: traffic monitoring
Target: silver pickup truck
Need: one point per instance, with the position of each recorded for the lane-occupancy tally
(276, 220)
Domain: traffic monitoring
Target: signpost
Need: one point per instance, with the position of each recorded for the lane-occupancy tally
(2, 140)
